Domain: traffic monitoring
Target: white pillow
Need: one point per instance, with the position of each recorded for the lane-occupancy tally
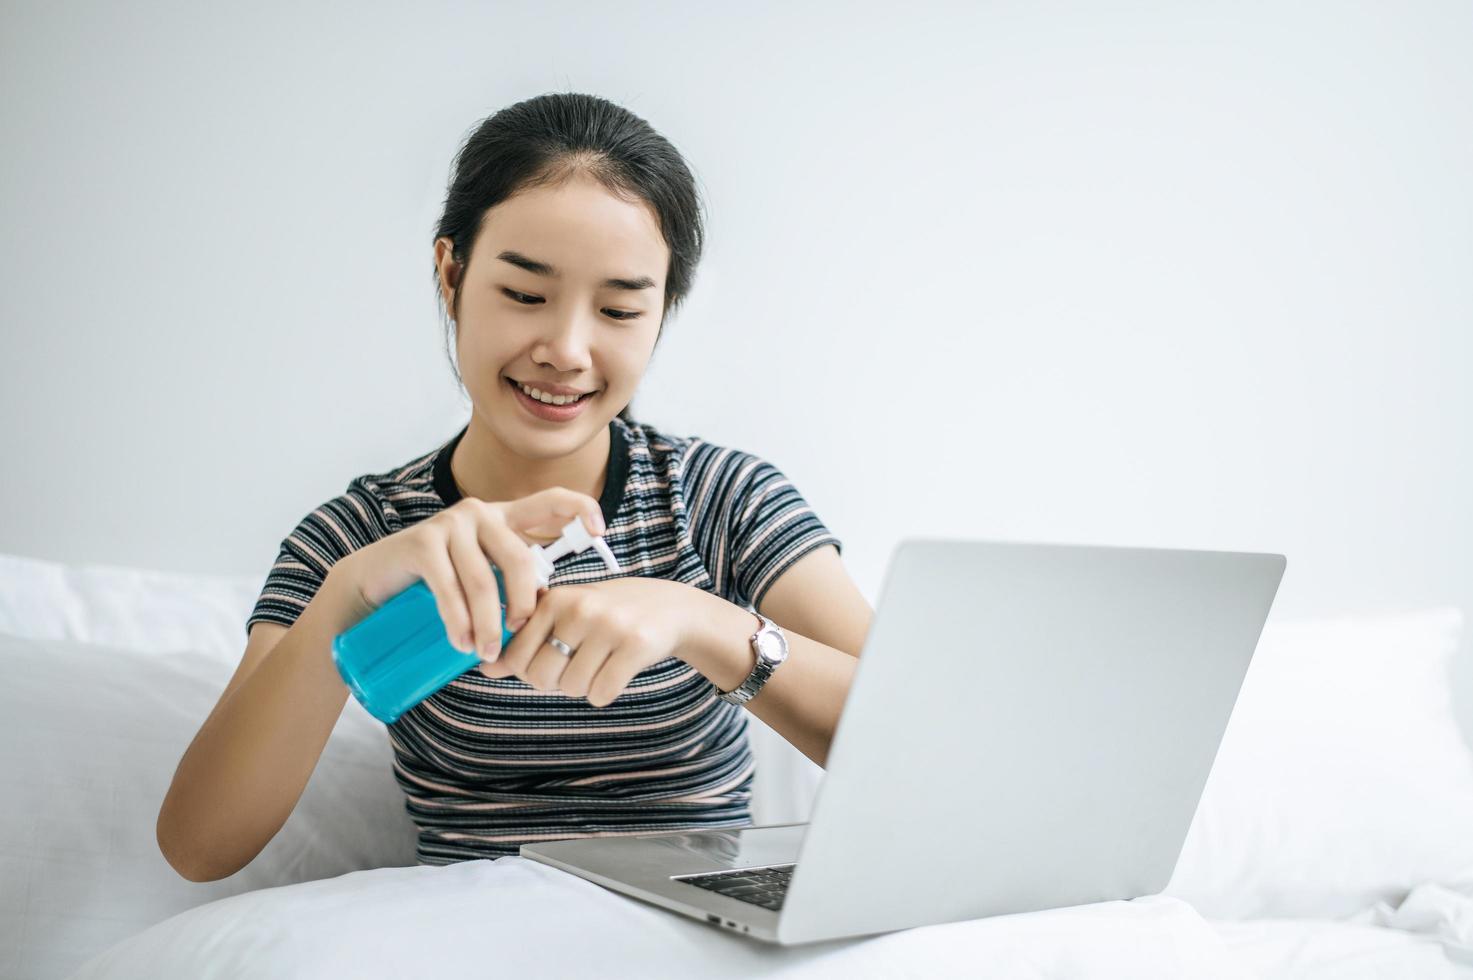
(129, 608)
(91, 737)
(1343, 779)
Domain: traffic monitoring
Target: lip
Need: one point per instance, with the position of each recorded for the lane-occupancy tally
(544, 412)
(551, 389)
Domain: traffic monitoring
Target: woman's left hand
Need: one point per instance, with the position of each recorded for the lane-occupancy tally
(616, 628)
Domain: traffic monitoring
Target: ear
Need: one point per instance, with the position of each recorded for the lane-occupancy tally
(449, 270)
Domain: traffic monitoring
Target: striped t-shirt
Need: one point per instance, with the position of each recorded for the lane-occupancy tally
(489, 763)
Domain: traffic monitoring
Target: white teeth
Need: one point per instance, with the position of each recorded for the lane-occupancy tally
(547, 399)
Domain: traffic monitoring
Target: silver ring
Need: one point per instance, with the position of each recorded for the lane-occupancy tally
(560, 646)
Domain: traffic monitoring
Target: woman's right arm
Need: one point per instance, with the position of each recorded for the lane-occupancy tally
(246, 768)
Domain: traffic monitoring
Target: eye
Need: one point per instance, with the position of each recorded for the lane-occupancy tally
(528, 300)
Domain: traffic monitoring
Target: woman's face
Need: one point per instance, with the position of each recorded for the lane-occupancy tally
(561, 322)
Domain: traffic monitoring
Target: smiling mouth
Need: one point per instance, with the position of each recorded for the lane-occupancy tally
(516, 386)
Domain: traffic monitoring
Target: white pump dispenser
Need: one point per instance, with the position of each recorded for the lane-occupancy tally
(575, 538)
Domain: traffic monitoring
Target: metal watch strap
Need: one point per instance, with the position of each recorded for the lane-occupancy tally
(762, 669)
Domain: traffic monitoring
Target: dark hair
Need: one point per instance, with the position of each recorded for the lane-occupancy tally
(551, 138)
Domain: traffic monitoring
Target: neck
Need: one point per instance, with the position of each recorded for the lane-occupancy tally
(487, 469)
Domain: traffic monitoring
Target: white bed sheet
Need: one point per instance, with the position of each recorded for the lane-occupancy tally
(1321, 949)
(516, 917)
(1427, 935)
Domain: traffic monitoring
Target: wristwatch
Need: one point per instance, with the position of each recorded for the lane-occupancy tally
(771, 648)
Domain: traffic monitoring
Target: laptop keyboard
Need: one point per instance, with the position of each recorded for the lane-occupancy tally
(766, 887)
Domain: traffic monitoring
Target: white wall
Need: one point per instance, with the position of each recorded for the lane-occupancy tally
(1181, 275)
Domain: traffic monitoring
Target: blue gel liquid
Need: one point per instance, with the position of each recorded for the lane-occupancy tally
(400, 653)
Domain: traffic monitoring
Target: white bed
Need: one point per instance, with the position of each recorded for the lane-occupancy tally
(1332, 840)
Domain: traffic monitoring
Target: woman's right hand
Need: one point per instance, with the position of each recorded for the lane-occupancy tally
(453, 552)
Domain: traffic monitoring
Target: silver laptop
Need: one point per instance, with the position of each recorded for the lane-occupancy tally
(1030, 726)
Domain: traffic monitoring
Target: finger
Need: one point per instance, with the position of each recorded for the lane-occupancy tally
(566, 622)
(548, 664)
(617, 671)
(546, 512)
(438, 572)
(524, 646)
(499, 667)
(588, 657)
(482, 595)
(518, 570)
(494, 668)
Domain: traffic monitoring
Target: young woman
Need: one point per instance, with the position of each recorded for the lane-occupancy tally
(571, 228)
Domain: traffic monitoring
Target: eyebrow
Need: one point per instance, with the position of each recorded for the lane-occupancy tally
(543, 269)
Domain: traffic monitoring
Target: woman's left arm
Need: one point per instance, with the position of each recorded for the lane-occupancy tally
(825, 619)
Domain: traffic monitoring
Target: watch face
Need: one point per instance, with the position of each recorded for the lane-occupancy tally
(770, 646)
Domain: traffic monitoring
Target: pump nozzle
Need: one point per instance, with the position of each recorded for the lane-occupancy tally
(575, 538)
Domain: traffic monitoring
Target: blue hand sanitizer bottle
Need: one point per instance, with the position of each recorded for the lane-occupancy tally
(400, 653)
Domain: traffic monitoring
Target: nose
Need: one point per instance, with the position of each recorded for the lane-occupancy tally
(565, 344)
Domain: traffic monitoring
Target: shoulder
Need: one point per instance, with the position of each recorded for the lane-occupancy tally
(372, 505)
(731, 474)
(645, 444)
(682, 453)
(717, 484)
(695, 468)
(405, 493)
